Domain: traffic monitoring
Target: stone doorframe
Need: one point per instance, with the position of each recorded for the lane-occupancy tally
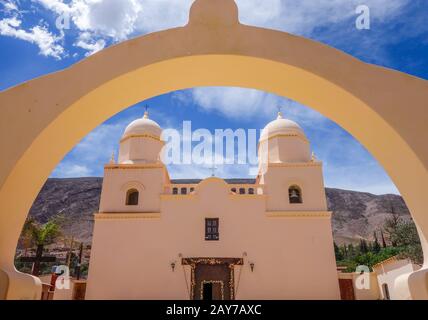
(383, 109)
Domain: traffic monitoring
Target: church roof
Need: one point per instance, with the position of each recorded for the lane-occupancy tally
(229, 181)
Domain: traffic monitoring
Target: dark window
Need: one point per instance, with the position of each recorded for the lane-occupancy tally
(242, 191)
(132, 197)
(175, 191)
(295, 194)
(251, 191)
(211, 229)
(233, 190)
(192, 189)
(386, 292)
(207, 291)
(183, 190)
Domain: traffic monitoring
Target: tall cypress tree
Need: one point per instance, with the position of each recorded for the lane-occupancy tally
(383, 239)
(337, 252)
(363, 246)
(376, 245)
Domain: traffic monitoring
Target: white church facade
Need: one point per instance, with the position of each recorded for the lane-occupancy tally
(267, 238)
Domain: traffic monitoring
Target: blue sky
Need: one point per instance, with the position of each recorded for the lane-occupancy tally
(31, 45)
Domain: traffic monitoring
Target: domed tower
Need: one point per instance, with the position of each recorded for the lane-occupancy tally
(141, 142)
(286, 141)
(292, 176)
(135, 182)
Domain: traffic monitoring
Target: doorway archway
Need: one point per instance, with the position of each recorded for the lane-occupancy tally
(41, 120)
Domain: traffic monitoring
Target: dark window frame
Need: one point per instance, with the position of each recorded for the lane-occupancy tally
(212, 226)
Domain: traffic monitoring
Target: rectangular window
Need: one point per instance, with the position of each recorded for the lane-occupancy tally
(211, 229)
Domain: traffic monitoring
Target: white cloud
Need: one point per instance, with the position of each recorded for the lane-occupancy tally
(9, 6)
(246, 104)
(235, 103)
(92, 46)
(117, 20)
(39, 35)
(71, 170)
(304, 16)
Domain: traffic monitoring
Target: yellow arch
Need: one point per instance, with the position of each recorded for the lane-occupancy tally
(41, 120)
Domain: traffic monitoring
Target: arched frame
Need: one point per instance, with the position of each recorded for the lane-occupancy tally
(384, 109)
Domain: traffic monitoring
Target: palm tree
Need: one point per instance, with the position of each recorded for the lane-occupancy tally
(40, 235)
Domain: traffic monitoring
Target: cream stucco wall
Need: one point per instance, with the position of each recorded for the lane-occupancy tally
(140, 150)
(292, 251)
(149, 180)
(307, 175)
(38, 118)
(389, 272)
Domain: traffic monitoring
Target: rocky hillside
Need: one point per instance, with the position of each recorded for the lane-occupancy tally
(356, 214)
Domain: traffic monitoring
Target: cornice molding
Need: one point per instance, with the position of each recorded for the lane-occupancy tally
(126, 215)
(284, 135)
(299, 214)
(153, 137)
(134, 166)
(296, 164)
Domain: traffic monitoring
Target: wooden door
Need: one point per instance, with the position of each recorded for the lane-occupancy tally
(346, 289)
(212, 282)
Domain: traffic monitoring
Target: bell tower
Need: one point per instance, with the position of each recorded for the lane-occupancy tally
(135, 182)
(292, 177)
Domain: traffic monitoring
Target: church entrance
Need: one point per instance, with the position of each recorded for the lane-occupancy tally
(212, 278)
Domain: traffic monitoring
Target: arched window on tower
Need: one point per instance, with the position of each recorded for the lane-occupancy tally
(132, 197)
(295, 194)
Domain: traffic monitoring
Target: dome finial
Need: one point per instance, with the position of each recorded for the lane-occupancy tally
(279, 112)
(146, 113)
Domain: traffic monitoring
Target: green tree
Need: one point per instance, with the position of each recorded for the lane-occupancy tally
(338, 252)
(40, 235)
(376, 246)
(351, 251)
(390, 227)
(363, 248)
(383, 239)
(406, 237)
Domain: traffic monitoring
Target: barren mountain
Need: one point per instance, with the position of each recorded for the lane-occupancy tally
(355, 214)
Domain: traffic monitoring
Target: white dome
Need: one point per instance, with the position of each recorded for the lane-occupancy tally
(281, 126)
(283, 141)
(143, 126)
(141, 142)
